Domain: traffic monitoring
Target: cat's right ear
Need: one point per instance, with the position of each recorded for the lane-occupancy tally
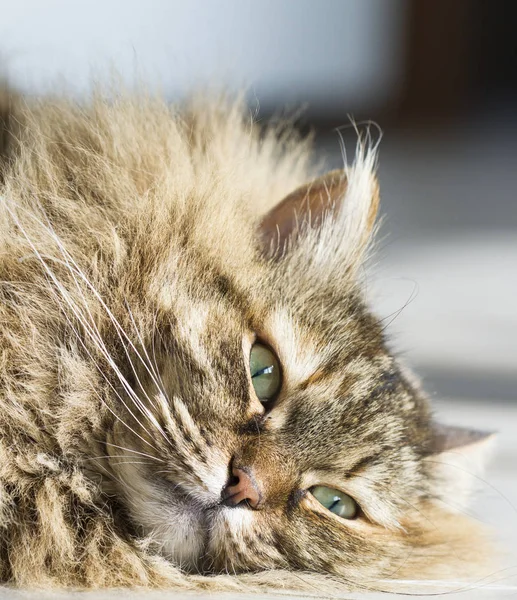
(329, 218)
(301, 209)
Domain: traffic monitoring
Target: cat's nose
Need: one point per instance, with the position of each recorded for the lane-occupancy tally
(242, 488)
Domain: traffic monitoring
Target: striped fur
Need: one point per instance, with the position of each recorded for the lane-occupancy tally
(133, 282)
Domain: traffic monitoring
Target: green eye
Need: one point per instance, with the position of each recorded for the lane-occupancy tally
(265, 372)
(337, 502)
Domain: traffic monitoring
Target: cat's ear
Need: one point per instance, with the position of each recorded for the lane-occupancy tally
(446, 438)
(457, 458)
(303, 208)
(343, 203)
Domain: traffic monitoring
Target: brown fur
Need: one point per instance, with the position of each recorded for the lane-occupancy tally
(137, 261)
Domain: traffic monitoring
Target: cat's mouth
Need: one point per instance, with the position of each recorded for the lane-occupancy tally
(196, 543)
(208, 528)
(190, 531)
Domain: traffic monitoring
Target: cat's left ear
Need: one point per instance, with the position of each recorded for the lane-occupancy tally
(339, 206)
(457, 458)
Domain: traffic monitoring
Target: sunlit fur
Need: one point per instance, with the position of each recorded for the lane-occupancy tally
(132, 285)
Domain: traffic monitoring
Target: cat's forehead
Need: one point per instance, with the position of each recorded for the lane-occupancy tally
(320, 349)
(315, 347)
(299, 348)
(342, 385)
(332, 353)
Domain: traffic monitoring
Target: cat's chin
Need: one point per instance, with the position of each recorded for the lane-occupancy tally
(192, 536)
(186, 527)
(181, 538)
(176, 525)
(195, 538)
(199, 543)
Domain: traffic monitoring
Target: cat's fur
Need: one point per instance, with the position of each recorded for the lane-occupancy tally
(138, 261)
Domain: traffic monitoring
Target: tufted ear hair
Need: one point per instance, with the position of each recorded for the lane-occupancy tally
(457, 457)
(331, 215)
(305, 207)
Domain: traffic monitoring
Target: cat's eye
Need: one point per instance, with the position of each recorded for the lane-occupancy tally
(337, 502)
(265, 372)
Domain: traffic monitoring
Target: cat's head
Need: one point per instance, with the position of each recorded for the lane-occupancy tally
(255, 417)
(276, 429)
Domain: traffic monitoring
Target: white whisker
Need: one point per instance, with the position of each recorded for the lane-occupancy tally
(103, 375)
(153, 370)
(134, 451)
(98, 342)
(90, 327)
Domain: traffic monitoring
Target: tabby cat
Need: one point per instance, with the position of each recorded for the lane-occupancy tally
(193, 391)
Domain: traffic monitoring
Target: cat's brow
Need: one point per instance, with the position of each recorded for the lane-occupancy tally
(351, 470)
(229, 291)
(317, 376)
(360, 465)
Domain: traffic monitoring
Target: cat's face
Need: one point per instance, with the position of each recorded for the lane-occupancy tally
(205, 365)
(312, 457)
(328, 426)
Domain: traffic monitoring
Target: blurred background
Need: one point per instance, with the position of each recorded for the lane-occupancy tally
(438, 76)
(440, 79)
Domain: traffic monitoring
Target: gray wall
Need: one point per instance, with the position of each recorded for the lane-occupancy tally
(323, 52)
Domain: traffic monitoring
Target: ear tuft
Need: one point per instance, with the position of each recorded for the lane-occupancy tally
(306, 207)
(326, 226)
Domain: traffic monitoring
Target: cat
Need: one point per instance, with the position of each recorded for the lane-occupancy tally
(194, 393)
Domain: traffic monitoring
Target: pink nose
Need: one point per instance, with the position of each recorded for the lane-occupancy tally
(243, 488)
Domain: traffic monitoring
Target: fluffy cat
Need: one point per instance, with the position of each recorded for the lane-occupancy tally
(193, 392)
